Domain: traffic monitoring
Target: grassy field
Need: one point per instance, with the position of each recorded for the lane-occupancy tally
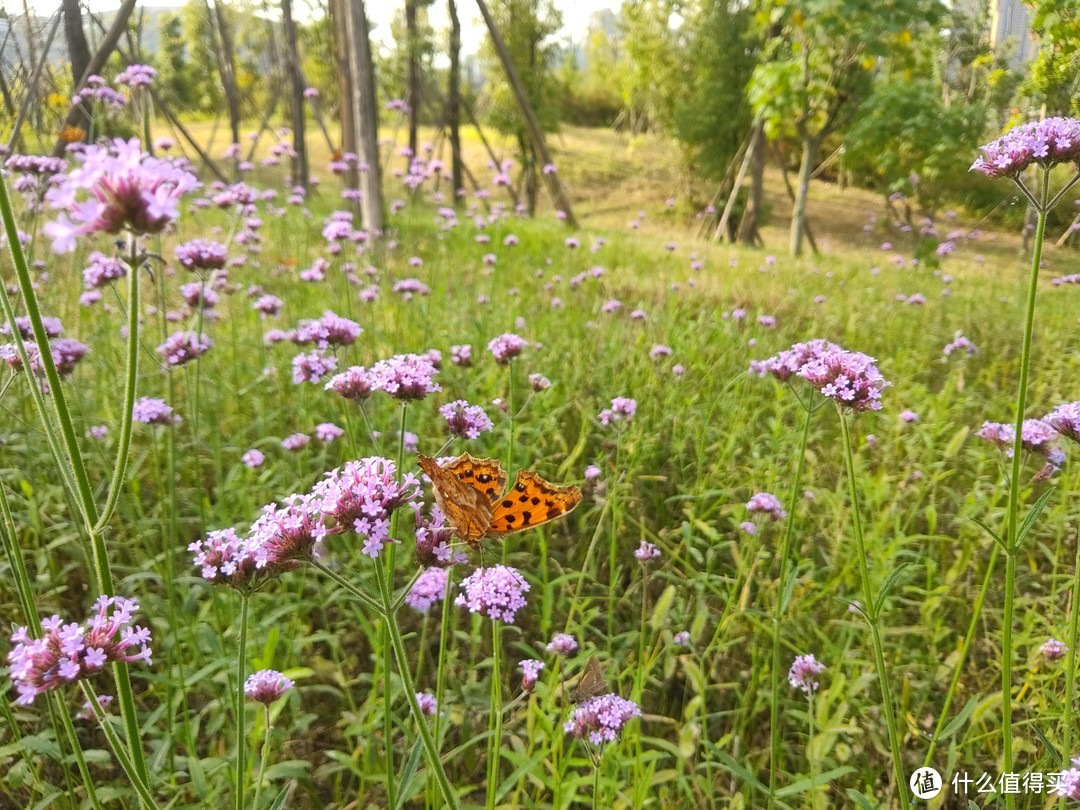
(705, 438)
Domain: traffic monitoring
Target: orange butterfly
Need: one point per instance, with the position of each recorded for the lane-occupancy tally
(470, 493)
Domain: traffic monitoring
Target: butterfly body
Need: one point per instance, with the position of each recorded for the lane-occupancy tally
(592, 682)
(470, 492)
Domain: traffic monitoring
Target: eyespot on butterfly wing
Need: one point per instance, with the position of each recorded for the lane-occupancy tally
(531, 502)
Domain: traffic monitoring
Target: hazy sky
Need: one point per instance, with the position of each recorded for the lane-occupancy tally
(575, 13)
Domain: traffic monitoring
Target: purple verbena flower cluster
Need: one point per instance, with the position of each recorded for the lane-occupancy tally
(1045, 143)
(66, 653)
(804, 673)
(266, 686)
(464, 420)
(601, 719)
(497, 592)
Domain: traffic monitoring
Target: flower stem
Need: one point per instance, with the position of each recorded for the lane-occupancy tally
(1070, 669)
(444, 636)
(430, 749)
(1013, 513)
(131, 373)
(118, 748)
(241, 734)
(958, 669)
(596, 786)
(388, 611)
(810, 759)
(72, 468)
(778, 608)
(872, 618)
(262, 761)
(495, 744)
(355, 590)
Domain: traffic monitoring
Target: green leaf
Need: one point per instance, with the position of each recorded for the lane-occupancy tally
(408, 773)
(663, 606)
(859, 799)
(821, 780)
(1055, 755)
(886, 586)
(1032, 516)
(957, 722)
(996, 537)
(283, 796)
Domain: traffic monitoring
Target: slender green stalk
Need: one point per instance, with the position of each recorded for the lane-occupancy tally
(241, 731)
(387, 660)
(811, 761)
(958, 669)
(596, 786)
(872, 618)
(495, 743)
(60, 716)
(355, 590)
(76, 472)
(430, 749)
(131, 373)
(1070, 669)
(778, 607)
(1013, 513)
(444, 637)
(118, 748)
(262, 760)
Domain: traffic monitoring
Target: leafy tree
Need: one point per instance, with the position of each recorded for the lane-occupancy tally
(1055, 73)
(713, 114)
(528, 28)
(818, 69)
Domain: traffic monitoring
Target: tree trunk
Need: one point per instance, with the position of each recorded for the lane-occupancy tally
(802, 193)
(78, 52)
(748, 225)
(339, 17)
(227, 69)
(413, 67)
(453, 101)
(97, 62)
(296, 79)
(365, 116)
(536, 135)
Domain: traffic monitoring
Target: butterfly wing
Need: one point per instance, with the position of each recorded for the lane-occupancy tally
(530, 502)
(591, 683)
(466, 508)
(485, 475)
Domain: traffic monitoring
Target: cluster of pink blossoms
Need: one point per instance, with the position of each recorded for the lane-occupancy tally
(66, 653)
(497, 592)
(116, 187)
(1045, 143)
(601, 719)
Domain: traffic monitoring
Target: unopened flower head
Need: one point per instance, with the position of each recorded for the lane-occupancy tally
(355, 383)
(1054, 649)
(183, 347)
(361, 497)
(851, 379)
(960, 344)
(497, 592)
(461, 355)
(103, 270)
(66, 653)
(530, 673)
(202, 254)
(506, 347)
(428, 704)
(464, 420)
(804, 673)
(601, 719)
(266, 686)
(117, 187)
(765, 503)
(622, 410)
(562, 644)
(646, 552)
